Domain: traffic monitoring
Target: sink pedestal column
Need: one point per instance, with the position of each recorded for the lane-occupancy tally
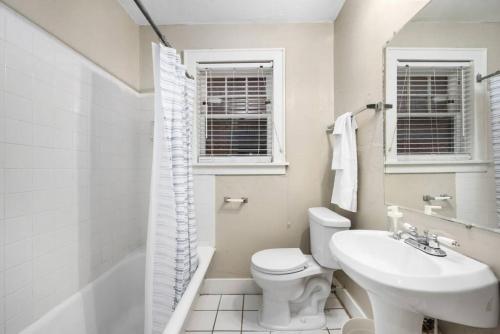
(391, 319)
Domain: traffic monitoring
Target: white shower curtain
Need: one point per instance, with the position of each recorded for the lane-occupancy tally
(495, 135)
(171, 257)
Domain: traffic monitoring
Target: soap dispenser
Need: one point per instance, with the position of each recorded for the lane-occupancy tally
(394, 215)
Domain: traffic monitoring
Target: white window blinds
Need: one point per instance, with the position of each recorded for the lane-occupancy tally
(434, 110)
(235, 112)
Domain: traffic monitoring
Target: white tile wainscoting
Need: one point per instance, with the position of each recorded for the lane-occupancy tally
(75, 162)
(232, 314)
(75, 158)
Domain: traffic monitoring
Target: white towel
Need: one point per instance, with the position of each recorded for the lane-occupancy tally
(345, 163)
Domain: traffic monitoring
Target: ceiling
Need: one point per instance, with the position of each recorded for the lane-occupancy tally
(460, 11)
(234, 11)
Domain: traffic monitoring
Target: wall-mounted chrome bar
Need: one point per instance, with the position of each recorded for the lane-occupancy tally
(480, 78)
(155, 28)
(374, 106)
(242, 200)
(442, 197)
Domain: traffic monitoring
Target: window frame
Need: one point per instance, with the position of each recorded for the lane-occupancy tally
(480, 153)
(277, 56)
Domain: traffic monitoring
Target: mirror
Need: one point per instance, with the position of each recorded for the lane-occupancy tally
(442, 133)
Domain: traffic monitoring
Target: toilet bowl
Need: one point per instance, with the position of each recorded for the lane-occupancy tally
(292, 299)
(295, 286)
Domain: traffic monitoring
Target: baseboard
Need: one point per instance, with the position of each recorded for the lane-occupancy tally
(229, 286)
(348, 301)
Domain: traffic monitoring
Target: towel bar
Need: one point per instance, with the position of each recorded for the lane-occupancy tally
(374, 106)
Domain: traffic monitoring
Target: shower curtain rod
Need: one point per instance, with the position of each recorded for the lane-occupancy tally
(155, 28)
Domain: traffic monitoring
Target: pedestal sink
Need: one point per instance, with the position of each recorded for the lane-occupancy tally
(405, 284)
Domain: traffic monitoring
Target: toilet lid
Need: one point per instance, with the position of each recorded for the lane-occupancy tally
(279, 261)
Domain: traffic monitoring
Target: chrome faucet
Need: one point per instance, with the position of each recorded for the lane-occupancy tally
(427, 243)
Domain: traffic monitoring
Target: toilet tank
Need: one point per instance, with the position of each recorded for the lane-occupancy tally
(323, 224)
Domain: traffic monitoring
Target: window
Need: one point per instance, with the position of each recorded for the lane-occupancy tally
(239, 112)
(235, 112)
(436, 118)
(434, 111)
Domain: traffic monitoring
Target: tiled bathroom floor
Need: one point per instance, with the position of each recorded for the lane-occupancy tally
(232, 314)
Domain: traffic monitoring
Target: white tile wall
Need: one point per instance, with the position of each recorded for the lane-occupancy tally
(75, 155)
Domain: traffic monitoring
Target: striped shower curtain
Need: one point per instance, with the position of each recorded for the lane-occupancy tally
(171, 257)
(494, 88)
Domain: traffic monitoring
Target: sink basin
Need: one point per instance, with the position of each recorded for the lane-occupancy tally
(405, 284)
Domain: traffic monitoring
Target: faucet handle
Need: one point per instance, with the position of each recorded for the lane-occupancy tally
(433, 240)
(448, 242)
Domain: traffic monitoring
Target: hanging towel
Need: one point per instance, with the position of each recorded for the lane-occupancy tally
(345, 163)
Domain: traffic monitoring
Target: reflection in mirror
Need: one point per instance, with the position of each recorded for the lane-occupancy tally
(443, 132)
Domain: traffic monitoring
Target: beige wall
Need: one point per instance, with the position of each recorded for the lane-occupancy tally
(361, 32)
(360, 36)
(100, 30)
(276, 215)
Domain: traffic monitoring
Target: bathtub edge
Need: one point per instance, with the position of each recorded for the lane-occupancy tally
(181, 313)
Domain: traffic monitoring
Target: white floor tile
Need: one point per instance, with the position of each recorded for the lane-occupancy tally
(250, 322)
(252, 302)
(207, 303)
(228, 321)
(318, 331)
(237, 332)
(201, 321)
(335, 318)
(231, 303)
(333, 302)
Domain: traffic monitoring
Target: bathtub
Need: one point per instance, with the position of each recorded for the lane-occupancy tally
(114, 302)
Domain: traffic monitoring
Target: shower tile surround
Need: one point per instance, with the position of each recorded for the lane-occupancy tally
(75, 159)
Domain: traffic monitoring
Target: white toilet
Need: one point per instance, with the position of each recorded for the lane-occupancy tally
(295, 286)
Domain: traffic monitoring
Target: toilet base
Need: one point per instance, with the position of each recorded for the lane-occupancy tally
(304, 312)
(294, 301)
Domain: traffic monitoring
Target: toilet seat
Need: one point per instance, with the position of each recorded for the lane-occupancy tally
(279, 261)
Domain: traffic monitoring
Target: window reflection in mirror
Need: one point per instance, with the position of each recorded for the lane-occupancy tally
(440, 136)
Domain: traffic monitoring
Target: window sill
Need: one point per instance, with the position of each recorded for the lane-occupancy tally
(274, 168)
(407, 167)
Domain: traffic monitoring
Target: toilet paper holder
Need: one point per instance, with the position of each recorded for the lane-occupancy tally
(241, 200)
